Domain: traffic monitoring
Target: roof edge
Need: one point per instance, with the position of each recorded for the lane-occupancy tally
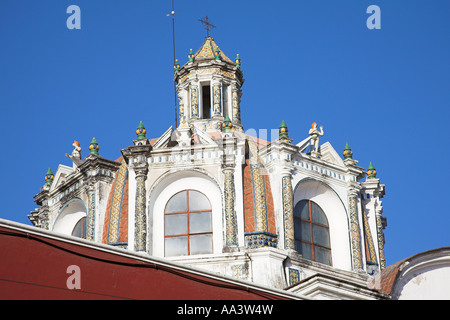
(144, 257)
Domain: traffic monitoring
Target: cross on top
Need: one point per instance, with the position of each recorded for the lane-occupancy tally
(207, 24)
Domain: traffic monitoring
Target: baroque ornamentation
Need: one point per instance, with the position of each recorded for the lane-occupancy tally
(93, 147)
(230, 215)
(116, 205)
(90, 230)
(49, 177)
(217, 99)
(288, 213)
(294, 276)
(315, 134)
(240, 271)
(140, 216)
(194, 101)
(181, 105)
(355, 233)
(371, 256)
(236, 106)
(380, 238)
(260, 239)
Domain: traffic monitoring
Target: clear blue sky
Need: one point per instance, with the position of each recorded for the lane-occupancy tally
(385, 92)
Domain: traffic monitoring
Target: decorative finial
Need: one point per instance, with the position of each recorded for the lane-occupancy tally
(207, 24)
(283, 130)
(176, 67)
(140, 131)
(93, 147)
(227, 125)
(371, 172)
(218, 57)
(348, 154)
(191, 56)
(49, 177)
(238, 61)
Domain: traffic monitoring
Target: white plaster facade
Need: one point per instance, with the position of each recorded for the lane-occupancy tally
(425, 276)
(199, 155)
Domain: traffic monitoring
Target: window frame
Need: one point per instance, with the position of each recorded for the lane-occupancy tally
(311, 224)
(187, 213)
(206, 98)
(83, 223)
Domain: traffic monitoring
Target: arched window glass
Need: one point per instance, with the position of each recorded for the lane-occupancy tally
(311, 232)
(187, 224)
(80, 228)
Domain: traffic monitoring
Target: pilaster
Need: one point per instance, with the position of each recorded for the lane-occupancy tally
(355, 230)
(373, 192)
(217, 99)
(288, 210)
(136, 156)
(381, 224)
(40, 217)
(140, 238)
(283, 146)
(229, 207)
(194, 101)
(236, 107)
(228, 164)
(91, 168)
(90, 228)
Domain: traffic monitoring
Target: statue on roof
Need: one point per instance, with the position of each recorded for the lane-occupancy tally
(76, 154)
(314, 133)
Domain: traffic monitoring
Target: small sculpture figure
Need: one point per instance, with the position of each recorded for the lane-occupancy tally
(314, 133)
(76, 153)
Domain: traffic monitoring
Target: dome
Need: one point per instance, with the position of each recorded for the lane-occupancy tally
(115, 228)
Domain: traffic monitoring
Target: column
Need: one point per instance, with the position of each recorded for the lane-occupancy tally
(194, 102)
(44, 218)
(355, 232)
(380, 237)
(235, 96)
(217, 99)
(286, 150)
(181, 105)
(90, 228)
(230, 215)
(140, 231)
(288, 211)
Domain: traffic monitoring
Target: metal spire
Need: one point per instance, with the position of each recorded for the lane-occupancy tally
(207, 24)
(174, 58)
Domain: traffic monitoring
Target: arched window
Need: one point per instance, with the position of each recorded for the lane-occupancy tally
(187, 224)
(80, 228)
(311, 232)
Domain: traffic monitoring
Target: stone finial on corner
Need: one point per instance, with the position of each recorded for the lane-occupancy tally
(238, 61)
(227, 124)
(49, 177)
(176, 67)
(140, 131)
(348, 154)
(217, 55)
(283, 130)
(191, 56)
(93, 147)
(371, 172)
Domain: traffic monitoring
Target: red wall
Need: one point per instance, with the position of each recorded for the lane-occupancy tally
(34, 266)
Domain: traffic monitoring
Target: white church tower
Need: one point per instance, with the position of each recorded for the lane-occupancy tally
(289, 215)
